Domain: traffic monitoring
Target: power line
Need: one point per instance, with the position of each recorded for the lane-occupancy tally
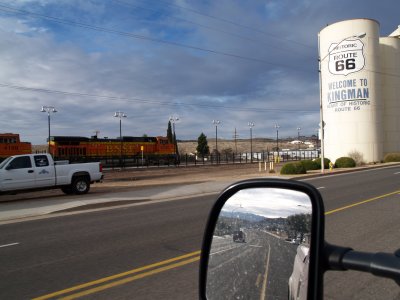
(134, 100)
(236, 24)
(137, 36)
(211, 28)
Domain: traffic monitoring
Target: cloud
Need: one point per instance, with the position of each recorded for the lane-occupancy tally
(272, 79)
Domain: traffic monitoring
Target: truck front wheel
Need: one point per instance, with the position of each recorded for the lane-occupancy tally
(80, 185)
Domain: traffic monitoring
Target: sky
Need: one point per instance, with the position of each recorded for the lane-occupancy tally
(269, 202)
(232, 61)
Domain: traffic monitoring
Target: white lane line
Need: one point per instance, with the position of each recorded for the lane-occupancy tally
(8, 245)
(223, 250)
(320, 188)
(396, 173)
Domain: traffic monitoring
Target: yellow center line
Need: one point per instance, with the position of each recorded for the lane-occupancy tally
(129, 279)
(105, 279)
(190, 257)
(361, 202)
(264, 286)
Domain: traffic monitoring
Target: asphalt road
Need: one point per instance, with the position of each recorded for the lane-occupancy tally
(372, 226)
(58, 253)
(151, 251)
(259, 267)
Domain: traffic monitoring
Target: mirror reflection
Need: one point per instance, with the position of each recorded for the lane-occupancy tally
(260, 246)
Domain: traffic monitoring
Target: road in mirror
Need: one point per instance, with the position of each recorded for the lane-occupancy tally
(260, 246)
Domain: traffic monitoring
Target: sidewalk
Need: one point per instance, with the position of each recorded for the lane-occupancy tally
(28, 208)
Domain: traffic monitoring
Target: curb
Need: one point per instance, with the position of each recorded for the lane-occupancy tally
(350, 170)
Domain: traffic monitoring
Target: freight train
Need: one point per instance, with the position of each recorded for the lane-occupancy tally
(76, 148)
(10, 144)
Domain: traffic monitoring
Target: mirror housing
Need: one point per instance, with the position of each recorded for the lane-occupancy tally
(316, 263)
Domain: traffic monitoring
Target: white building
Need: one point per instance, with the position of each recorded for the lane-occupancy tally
(360, 89)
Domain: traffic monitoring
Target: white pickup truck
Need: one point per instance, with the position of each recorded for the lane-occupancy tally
(20, 173)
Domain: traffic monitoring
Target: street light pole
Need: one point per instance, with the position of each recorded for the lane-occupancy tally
(48, 109)
(120, 115)
(173, 120)
(320, 60)
(298, 137)
(277, 137)
(216, 123)
(251, 125)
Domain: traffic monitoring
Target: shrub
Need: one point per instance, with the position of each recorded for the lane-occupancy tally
(326, 162)
(357, 156)
(345, 162)
(309, 164)
(293, 168)
(392, 157)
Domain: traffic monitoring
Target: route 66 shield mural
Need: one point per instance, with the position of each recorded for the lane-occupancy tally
(346, 57)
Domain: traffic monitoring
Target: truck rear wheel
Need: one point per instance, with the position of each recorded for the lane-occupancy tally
(80, 185)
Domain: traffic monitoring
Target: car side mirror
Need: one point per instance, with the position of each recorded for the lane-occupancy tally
(263, 241)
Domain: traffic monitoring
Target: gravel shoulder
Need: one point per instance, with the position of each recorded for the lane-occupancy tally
(179, 175)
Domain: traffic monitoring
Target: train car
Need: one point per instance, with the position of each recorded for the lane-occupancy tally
(75, 148)
(10, 144)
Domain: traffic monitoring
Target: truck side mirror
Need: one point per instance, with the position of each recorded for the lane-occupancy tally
(264, 239)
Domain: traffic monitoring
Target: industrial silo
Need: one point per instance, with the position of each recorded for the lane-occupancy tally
(390, 79)
(352, 104)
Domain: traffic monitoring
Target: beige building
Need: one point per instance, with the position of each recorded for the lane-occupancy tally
(360, 89)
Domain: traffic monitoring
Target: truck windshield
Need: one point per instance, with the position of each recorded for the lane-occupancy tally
(4, 162)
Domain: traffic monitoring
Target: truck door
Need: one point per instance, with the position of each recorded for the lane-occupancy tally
(19, 174)
(44, 172)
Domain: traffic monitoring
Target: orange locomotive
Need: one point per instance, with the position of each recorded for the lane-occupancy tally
(10, 144)
(76, 147)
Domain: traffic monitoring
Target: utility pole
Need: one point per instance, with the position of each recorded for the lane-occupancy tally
(235, 136)
(216, 123)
